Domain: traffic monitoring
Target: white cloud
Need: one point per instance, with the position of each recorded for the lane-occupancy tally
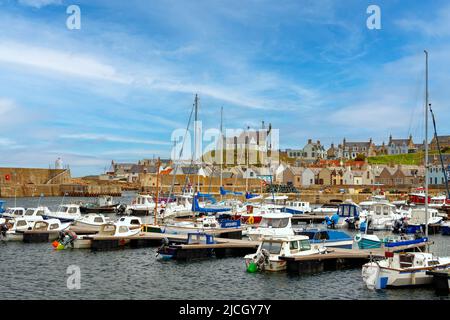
(39, 3)
(74, 64)
(111, 138)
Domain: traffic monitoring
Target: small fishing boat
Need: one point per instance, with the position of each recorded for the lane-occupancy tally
(91, 221)
(125, 227)
(142, 205)
(328, 237)
(297, 207)
(371, 241)
(15, 228)
(327, 208)
(104, 204)
(202, 224)
(347, 215)
(172, 250)
(267, 257)
(36, 214)
(65, 213)
(380, 216)
(418, 195)
(272, 224)
(402, 269)
(416, 224)
(14, 212)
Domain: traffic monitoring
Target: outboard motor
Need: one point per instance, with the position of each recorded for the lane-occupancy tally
(3, 229)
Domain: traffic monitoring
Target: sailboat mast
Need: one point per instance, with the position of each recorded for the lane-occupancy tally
(426, 143)
(158, 164)
(221, 148)
(196, 138)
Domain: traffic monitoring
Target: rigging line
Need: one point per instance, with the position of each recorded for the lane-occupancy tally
(181, 152)
(239, 161)
(413, 111)
(444, 172)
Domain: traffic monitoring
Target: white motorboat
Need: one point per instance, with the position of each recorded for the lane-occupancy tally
(142, 205)
(402, 269)
(14, 212)
(418, 220)
(327, 208)
(272, 224)
(297, 207)
(16, 227)
(36, 214)
(65, 213)
(381, 216)
(267, 257)
(124, 227)
(91, 221)
(203, 224)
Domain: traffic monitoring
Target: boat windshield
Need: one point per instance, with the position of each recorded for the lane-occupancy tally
(29, 212)
(272, 247)
(274, 222)
(305, 245)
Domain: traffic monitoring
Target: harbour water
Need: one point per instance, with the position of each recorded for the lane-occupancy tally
(36, 271)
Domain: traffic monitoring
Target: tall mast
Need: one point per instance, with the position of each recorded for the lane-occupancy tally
(221, 148)
(196, 138)
(158, 164)
(426, 143)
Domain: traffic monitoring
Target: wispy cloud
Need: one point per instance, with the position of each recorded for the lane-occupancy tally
(112, 138)
(39, 3)
(73, 63)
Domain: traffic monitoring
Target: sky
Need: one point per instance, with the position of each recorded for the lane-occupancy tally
(118, 87)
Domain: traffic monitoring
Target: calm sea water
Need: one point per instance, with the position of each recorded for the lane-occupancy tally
(36, 271)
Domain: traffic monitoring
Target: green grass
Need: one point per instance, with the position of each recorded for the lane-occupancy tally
(406, 159)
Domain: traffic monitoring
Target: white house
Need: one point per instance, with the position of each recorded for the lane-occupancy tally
(308, 177)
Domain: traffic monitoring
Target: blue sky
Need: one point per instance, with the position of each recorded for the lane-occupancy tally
(117, 88)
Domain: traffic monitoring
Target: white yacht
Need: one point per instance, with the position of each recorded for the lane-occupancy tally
(142, 205)
(381, 216)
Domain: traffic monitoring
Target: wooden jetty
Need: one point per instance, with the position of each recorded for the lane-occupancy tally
(336, 258)
(223, 246)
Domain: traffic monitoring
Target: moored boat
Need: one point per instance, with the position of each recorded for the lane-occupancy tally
(267, 257)
(272, 224)
(328, 238)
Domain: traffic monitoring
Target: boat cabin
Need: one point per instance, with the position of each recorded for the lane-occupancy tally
(285, 246)
(276, 220)
(382, 210)
(200, 238)
(70, 209)
(14, 212)
(132, 221)
(349, 210)
(418, 216)
(47, 225)
(36, 212)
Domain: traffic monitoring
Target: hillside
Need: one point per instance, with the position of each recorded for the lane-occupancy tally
(406, 159)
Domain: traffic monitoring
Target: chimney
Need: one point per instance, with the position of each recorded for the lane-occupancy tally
(309, 141)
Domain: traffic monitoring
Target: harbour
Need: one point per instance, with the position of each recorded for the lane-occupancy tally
(136, 270)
